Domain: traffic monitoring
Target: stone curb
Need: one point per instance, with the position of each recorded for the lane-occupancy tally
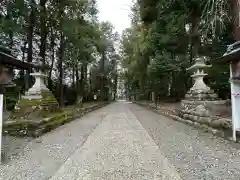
(214, 131)
(36, 129)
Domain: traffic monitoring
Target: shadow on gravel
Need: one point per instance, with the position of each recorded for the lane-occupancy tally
(12, 146)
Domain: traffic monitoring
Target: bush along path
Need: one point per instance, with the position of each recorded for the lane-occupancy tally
(33, 128)
(220, 126)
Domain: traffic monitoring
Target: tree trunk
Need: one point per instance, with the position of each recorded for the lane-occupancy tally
(172, 88)
(90, 82)
(81, 88)
(10, 28)
(60, 65)
(235, 10)
(73, 76)
(77, 79)
(43, 30)
(115, 87)
(85, 79)
(85, 71)
(61, 52)
(195, 37)
(31, 23)
(52, 60)
(22, 72)
(102, 93)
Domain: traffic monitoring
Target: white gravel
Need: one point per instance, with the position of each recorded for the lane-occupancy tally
(112, 143)
(42, 157)
(197, 155)
(12, 146)
(118, 149)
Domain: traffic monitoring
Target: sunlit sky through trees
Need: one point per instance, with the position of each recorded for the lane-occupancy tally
(115, 11)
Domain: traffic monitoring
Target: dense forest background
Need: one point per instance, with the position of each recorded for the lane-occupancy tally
(67, 36)
(157, 49)
(83, 54)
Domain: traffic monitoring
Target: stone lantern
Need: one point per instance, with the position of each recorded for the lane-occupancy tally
(38, 99)
(200, 101)
(200, 91)
(37, 102)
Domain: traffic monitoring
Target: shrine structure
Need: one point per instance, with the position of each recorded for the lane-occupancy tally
(7, 64)
(232, 56)
(37, 101)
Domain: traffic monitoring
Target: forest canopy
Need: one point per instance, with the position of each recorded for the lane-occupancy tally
(157, 49)
(67, 36)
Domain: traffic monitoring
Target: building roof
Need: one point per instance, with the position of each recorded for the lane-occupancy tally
(6, 58)
(233, 56)
(232, 53)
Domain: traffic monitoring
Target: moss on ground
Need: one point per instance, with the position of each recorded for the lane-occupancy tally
(38, 128)
(36, 108)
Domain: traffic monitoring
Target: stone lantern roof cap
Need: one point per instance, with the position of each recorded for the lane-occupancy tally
(199, 63)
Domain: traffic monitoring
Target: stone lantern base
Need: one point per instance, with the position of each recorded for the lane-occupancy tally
(206, 101)
(37, 103)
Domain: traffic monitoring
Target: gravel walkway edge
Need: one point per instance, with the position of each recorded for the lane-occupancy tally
(226, 134)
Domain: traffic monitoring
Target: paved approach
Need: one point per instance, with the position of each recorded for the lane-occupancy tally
(125, 141)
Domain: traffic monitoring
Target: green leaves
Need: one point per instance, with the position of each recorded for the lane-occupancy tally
(156, 48)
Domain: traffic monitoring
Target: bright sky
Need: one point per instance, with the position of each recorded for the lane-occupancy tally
(115, 11)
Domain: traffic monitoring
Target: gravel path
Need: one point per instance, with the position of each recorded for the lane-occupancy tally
(119, 149)
(42, 157)
(125, 141)
(195, 154)
(12, 146)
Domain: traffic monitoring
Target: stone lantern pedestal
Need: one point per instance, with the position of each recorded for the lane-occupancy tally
(37, 102)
